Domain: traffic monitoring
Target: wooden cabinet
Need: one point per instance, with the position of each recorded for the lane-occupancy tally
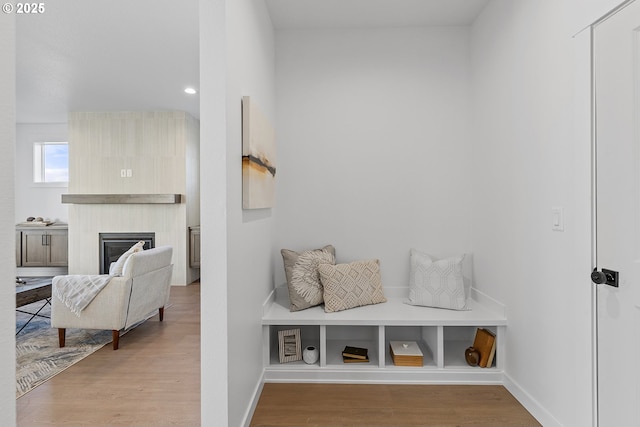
(194, 247)
(42, 246)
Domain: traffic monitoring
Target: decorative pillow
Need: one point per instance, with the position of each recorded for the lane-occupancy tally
(436, 283)
(301, 269)
(351, 285)
(117, 267)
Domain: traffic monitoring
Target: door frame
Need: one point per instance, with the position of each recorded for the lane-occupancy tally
(590, 30)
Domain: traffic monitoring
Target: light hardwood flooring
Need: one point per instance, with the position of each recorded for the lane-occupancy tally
(333, 405)
(152, 380)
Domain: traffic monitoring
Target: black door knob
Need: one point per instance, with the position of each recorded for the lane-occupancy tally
(598, 277)
(607, 277)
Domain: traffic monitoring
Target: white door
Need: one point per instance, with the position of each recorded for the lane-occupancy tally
(617, 170)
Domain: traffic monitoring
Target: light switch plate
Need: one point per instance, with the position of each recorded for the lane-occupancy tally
(557, 219)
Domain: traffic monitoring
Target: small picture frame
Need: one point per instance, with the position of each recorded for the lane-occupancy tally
(289, 345)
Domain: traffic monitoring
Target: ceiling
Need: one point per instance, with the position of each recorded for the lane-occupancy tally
(106, 55)
(297, 14)
(121, 55)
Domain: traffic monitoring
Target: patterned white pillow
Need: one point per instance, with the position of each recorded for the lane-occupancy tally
(351, 285)
(437, 282)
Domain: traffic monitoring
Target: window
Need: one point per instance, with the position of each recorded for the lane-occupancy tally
(50, 162)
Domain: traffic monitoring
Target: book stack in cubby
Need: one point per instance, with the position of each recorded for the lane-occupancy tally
(355, 355)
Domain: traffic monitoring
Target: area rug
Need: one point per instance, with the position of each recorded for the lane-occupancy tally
(38, 357)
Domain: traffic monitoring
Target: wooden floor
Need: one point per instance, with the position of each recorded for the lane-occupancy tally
(333, 405)
(152, 380)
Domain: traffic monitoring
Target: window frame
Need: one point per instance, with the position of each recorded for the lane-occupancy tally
(39, 165)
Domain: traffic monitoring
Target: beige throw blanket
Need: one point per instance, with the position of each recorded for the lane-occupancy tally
(77, 291)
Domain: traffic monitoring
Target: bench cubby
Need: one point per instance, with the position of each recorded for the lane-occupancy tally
(309, 336)
(425, 336)
(443, 336)
(340, 336)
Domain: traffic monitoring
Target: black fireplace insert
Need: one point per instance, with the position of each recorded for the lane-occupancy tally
(112, 245)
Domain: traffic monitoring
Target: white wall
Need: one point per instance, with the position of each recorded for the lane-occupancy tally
(33, 199)
(526, 160)
(374, 149)
(7, 212)
(213, 207)
(192, 195)
(154, 145)
(250, 71)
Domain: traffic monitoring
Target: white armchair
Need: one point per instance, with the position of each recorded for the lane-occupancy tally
(126, 300)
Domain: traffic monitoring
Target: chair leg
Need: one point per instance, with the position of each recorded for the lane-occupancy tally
(116, 338)
(61, 336)
(161, 313)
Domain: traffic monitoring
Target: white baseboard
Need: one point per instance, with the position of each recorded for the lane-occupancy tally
(538, 411)
(375, 375)
(254, 402)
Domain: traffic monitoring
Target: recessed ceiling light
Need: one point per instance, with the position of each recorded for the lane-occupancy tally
(190, 91)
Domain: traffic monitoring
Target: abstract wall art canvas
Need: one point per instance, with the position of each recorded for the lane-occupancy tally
(258, 158)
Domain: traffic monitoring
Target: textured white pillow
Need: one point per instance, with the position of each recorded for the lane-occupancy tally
(118, 267)
(436, 282)
(351, 285)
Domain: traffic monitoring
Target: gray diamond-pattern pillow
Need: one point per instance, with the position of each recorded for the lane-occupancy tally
(303, 281)
(436, 282)
(351, 285)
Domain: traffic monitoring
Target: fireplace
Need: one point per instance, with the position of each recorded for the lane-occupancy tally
(112, 245)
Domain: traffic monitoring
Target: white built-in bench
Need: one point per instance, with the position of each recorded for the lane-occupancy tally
(443, 336)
